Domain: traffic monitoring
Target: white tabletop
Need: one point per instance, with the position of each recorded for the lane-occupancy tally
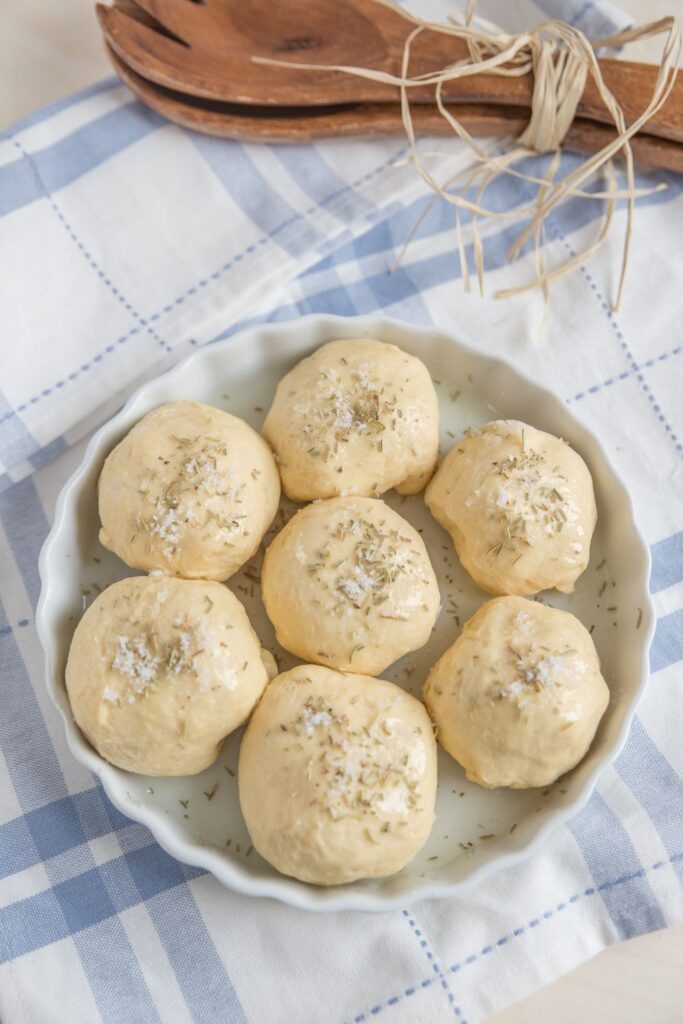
(50, 50)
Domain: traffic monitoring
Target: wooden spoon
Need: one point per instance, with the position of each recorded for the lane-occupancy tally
(204, 48)
(301, 124)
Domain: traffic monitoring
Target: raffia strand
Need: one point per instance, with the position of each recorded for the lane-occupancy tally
(561, 59)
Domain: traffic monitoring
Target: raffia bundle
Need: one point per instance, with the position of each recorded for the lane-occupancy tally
(560, 58)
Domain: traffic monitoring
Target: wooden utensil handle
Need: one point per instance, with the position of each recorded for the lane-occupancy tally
(217, 63)
(265, 124)
(632, 85)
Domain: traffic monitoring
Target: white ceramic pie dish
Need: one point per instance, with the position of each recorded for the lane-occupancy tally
(200, 823)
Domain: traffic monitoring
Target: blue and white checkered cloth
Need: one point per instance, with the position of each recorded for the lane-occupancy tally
(125, 242)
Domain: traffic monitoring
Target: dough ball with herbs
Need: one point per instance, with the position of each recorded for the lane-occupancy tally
(520, 508)
(348, 583)
(358, 416)
(337, 776)
(190, 490)
(518, 697)
(160, 670)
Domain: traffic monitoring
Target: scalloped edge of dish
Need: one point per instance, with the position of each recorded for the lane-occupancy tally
(280, 887)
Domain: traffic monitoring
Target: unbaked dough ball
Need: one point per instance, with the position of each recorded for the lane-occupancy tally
(356, 417)
(190, 490)
(348, 583)
(519, 506)
(337, 776)
(518, 697)
(161, 670)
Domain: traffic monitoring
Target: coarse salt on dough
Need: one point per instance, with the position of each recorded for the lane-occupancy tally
(357, 416)
(190, 490)
(160, 670)
(337, 776)
(348, 584)
(518, 697)
(520, 508)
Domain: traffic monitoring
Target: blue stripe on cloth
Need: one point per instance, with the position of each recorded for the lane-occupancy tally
(607, 849)
(84, 900)
(667, 562)
(377, 289)
(111, 889)
(17, 849)
(114, 974)
(588, 17)
(23, 468)
(153, 871)
(389, 235)
(29, 755)
(406, 282)
(30, 924)
(381, 288)
(654, 782)
(322, 184)
(48, 453)
(366, 295)
(265, 207)
(115, 977)
(333, 300)
(63, 162)
(16, 442)
(667, 646)
(143, 872)
(17, 188)
(118, 878)
(85, 907)
(371, 292)
(26, 527)
(78, 860)
(45, 113)
(336, 300)
(203, 979)
(158, 880)
(98, 814)
(150, 875)
(35, 773)
(56, 827)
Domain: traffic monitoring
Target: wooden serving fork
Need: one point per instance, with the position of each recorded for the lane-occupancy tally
(203, 48)
(251, 123)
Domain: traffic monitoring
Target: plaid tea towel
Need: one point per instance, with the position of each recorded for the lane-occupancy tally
(124, 242)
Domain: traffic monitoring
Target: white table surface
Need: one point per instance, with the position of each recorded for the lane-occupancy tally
(49, 49)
